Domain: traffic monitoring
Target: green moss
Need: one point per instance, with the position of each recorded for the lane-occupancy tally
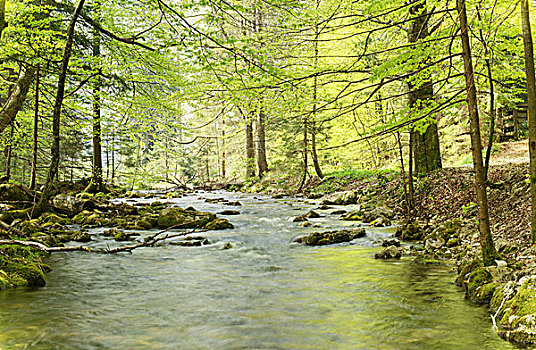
(21, 273)
(484, 294)
(121, 236)
(219, 224)
(465, 269)
(184, 218)
(424, 259)
(476, 280)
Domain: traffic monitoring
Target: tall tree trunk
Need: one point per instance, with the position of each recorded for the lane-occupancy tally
(250, 149)
(314, 154)
(427, 155)
(305, 158)
(96, 184)
(17, 97)
(33, 176)
(492, 112)
(9, 149)
(262, 164)
(223, 150)
(486, 241)
(3, 23)
(9, 154)
(531, 94)
(43, 204)
(411, 190)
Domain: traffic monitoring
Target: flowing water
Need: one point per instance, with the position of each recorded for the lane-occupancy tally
(264, 293)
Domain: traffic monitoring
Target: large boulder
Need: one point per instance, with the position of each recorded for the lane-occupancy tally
(331, 237)
(14, 193)
(182, 218)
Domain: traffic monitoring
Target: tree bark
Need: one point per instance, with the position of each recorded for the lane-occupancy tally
(96, 184)
(223, 150)
(531, 94)
(262, 164)
(486, 241)
(17, 97)
(305, 158)
(7, 177)
(3, 23)
(427, 155)
(33, 176)
(43, 204)
(250, 149)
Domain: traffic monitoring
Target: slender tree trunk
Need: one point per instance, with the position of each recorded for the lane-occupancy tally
(262, 164)
(9, 154)
(17, 97)
(403, 172)
(305, 158)
(531, 93)
(250, 149)
(113, 156)
(492, 113)
(42, 205)
(492, 118)
(411, 191)
(486, 241)
(426, 145)
(33, 176)
(314, 154)
(223, 150)
(96, 184)
(3, 23)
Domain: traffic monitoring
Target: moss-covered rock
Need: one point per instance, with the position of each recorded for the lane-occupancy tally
(425, 260)
(465, 269)
(55, 219)
(47, 239)
(411, 232)
(484, 294)
(122, 236)
(14, 193)
(79, 236)
(518, 313)
(182, 218)
(478, 278)
(390, 252)
(331, 237)
(20, 273)
(355, 215)
(219, 224)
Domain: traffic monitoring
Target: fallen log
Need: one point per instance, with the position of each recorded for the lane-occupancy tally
(42, 247)
(148, 242)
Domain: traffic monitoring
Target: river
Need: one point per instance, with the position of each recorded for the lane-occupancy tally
(264, 293)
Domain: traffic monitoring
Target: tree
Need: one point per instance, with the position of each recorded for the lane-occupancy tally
(97, 183)
(427, 156)
(42, 204)
(531, 94)
(486, 241)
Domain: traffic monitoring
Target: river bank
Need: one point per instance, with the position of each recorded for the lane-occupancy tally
(444, 219)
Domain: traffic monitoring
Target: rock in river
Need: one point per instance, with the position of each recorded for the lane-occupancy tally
(331, 237)
(183, 218)
(390, 252)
